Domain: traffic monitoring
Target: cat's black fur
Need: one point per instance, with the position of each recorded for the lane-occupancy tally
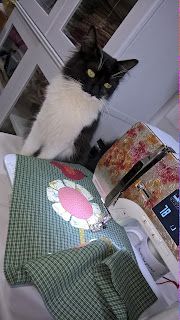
(91, 56)
(97, 152)
(82, 143)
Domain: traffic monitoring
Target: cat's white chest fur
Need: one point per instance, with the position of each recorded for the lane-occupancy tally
(66, 110)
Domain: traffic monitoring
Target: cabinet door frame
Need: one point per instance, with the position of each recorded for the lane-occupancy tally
(36, 55)
(9, 94)
(38, 15)
(120, 40)
(17, 21)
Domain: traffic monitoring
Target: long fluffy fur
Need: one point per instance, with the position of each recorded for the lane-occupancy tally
(66, 110)
(70, 113)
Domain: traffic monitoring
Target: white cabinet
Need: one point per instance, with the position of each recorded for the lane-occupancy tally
(48, 30)
(68, 20)
(23, 74)
(42, 12)
(75, 18)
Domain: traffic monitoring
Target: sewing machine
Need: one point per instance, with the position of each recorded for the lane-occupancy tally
(153, 231)
(155, 252)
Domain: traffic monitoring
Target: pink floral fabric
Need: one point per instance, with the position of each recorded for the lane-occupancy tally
(134, 145)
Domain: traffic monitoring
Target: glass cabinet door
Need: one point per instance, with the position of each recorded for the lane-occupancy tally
(42, 12)
(20, 119)
(23, 75)
(105, 15)
(28, 98)
(12, 51)
(76, 17)
(47, 5)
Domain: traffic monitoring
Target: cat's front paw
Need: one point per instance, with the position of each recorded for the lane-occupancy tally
(26, 151)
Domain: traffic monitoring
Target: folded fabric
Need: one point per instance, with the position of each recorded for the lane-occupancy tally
(95, 282)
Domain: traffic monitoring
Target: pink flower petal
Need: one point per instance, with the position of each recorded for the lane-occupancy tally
(75, 203)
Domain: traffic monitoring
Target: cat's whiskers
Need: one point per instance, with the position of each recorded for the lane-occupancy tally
(119, 73)
(66, 84)
(106, 109)
(119, 76)
(101, 61)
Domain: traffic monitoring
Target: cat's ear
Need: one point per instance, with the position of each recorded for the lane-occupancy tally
(89, 42)
(126, 65)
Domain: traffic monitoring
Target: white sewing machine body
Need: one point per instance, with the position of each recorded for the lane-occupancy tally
(126, 213)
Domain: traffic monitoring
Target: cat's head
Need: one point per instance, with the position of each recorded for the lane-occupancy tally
(98, 73)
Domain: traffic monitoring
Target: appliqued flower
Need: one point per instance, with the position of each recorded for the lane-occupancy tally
(68, 171)
(74, 203)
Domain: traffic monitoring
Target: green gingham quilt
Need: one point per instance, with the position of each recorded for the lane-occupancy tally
(49, 246)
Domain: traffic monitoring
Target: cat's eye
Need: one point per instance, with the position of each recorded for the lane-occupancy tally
(107, 85)
(91, 73)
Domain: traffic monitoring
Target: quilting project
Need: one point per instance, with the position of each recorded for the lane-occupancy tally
(100, 280)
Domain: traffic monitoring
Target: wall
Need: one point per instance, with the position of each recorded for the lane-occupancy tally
(148, 87)
(167, 117)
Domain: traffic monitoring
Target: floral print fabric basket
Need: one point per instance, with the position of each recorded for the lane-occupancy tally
(138, 142)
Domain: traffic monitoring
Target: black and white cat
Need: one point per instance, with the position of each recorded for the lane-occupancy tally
(70, 113)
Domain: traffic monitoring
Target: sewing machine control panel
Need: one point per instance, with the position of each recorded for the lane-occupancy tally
(167, 211)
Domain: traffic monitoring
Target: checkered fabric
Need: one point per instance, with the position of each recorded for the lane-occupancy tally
(98, 281)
